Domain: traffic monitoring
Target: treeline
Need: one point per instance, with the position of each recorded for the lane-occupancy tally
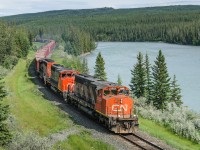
(154, 83)
(14, 44)
(172, 24)
(172, 27)
(77, 42)
(158, 98)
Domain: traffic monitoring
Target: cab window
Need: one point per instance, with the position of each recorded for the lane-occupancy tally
(64, 75)
(106, 92)
(114, 92)
(124, 92)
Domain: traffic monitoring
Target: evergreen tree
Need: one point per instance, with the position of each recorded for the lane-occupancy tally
(41, 32)
(119, 80)
(22, 42)
(148, 80)
(5, 135)
(30, 37)
(85, 66)
(175, 92)
(138, 80)
(100, 68)
(68, 48)
(161, 86)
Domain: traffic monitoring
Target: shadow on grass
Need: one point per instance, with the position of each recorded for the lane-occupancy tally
(77, 116)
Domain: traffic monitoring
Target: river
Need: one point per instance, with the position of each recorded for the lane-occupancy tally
(183, 61)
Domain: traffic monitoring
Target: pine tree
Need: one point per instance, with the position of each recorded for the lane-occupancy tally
(119, 80)
(22, 42)
(148, 88)
(30, 37)
(68, 48)
(100, 68)
(41, 32)
(138, 80)
(5, 135)
(175, 92)
(85, 66)
(161, 86)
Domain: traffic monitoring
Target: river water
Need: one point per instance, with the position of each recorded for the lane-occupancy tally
(183, 61)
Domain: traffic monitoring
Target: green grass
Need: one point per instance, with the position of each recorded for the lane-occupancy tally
(58, 55)
(33, 112)
(167, 136)
(27, 104)
(83, 141)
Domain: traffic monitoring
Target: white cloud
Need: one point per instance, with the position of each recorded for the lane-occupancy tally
(11, 7)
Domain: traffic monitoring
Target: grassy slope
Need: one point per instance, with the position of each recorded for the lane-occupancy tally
(85, 142)
(31, 110)
(165, 135)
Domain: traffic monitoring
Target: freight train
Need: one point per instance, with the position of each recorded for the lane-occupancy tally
(107, 102)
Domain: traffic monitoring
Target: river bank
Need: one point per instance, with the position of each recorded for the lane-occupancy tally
(182, 60)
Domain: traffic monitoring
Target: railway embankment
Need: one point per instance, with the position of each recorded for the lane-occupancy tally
(41, 119)
(35, 108)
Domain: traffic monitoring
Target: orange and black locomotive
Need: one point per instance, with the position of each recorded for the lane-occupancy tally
(105, 101)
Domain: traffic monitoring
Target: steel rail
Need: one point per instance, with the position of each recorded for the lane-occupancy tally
(138, 143)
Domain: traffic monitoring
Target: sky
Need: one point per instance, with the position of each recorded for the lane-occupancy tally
(13, 7)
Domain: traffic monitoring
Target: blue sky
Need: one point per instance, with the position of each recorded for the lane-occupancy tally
(12, 7)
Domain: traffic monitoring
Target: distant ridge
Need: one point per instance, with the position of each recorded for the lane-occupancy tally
(178, 24)
(102, 11)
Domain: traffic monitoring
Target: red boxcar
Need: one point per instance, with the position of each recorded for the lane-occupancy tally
(44, 53)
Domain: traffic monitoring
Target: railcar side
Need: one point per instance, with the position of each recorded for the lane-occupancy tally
(106, 101)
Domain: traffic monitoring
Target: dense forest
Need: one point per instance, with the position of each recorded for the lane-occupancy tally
(77, 42)
(14, 44)
(172, 24)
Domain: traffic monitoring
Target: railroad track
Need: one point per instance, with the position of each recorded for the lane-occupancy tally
(140, 142)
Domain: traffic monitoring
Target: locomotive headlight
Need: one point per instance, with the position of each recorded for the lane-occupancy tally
(121, 101)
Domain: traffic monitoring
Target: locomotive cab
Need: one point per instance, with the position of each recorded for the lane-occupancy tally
(66, 80)
(115, 103)
(62, 79)
(108, 102)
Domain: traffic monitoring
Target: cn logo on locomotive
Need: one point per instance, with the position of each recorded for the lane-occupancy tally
(119, 107)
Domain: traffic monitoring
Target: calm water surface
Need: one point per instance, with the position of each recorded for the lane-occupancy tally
(183, 61)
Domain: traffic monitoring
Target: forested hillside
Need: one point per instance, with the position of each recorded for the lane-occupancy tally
(172, 24)
(14, 44)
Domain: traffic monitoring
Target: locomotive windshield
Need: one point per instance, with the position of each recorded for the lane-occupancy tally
(64, 75)
(124, 92)
(116, 91)
(106, 92)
